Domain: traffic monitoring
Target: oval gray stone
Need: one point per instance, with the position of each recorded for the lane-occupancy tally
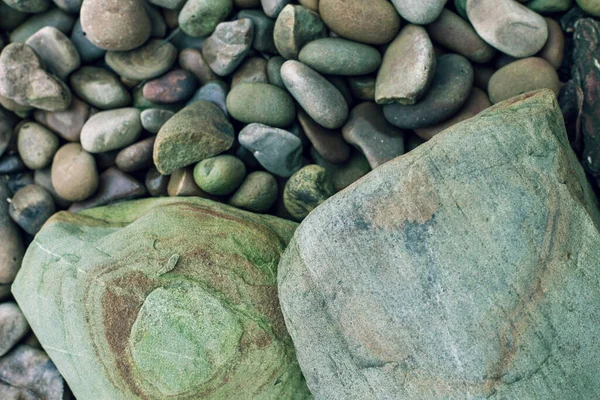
(420, 12)
(337, 56)
(100, 88)
(111, 130)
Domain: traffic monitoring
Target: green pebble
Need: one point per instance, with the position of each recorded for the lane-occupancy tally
(274, 71)
(55, 17)
(261, 103)
(257, 193)
(550, 6)
(345, 174)
(219, 175)
(306, 189)
(590, 6)
(340, 57)
(200, 17)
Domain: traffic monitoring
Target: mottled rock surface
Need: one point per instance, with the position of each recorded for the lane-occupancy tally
(467, 269)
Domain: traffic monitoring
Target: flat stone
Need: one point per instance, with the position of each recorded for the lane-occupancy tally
(450, 89)
(199, 18)
(67, 124)
(111, 130)
(456, 34)
(411, 56)
(220, 175)
(199, 131)
(146, 62)
(28, 373)
(296, 26)
(86, 49)
(508, 26)
(12, 249)
(74, 174)
(420, 12)
(23, 80)
(116, 25)
(422, 281)
(114, 185)
(153, 119)
(476, 103)
(257, 193)
(263, 30)
(273, 7)
(192, 60)
(136, 156)
(554, 49)
(37, 145)
(337, 56)
(368, 130)
(252, 70)
(344, 174)
(319, 98)
(13, 326)
(261, 103)
(227, 47)
(277, 150)
(31, 207)
(53, 17)
(56, 50)
(305, 190)
(173, 87)
(328, 143)
(156, 183)
(215, 92)
(100, 88)
(523, 76)
(376, 24)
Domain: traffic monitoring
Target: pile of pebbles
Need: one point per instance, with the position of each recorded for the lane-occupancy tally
(268, 105)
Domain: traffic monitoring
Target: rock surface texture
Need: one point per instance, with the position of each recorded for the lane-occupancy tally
(467, 269)
(187, 310)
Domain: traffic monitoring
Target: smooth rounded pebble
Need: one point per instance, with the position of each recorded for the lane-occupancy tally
(137, 156)
(554, 49)
(523, 76)
(74, 173)
(111, 130)
(12, 249)
(100, 88)
(257, 193)
(296, 26)
(420, 12)
(219, 175)
(228, 45)
(154, 118)
(56, 50)
(261, 103)
(306, 189)
(30, 207)
(315, 94)
(200, 17)
(37, 145)
(173, 87)
(29, 6)
(590, 6)
(337, 56)
(13, 326)
(146, 62)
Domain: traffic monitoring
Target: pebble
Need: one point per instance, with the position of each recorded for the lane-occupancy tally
(149, 61)
(273, 7)
(11, 18)
(476, 103)
(43, 177)
(158, 26)
(508, 26)
(182, 183)
(114, 185)
(456, 34)
(410, 56)
(72, 6)
(54, 17)
(345, 174)
(87, 50)
(11, 163)
(13, 326)
(6, 129)
(315, 94)
(215, 92)
(305, 190)
(192, 60)
(29, 6)
(74, 174)
(227, 47)
(115, 25)
(263, 30)
(295, 26)
(199, 18)
(274, 71)
(450, 88)
(23, 80)
(168, 4)
(419, 12)
(257, 193)
(337, 56)
(141, 103)
(482, 75)
(37, 145)
(56, 50)
(100, 88)
(328, 143)
(252, 70)
(590, 6)
(261, 103)
(19, 180)
(310, 4)
(201, 130)
(549, 6)
(156, 183)
(554, 49)
(31, 207)
(246, 3)
(12, 249)
(136, 156)
(370, 133)
(277, 150)
(362, 87)
(523, 76)
(67, 124)
(376, 24)
(220, 175)
(153, 119)
(173, 87)
(111, 130)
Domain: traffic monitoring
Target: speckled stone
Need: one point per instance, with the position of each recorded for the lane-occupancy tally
(261, 103)
(274, 71)
(305, 190)
(100, 87)
(296, 26)
(146, 62)
(199, 18)
(229, 44)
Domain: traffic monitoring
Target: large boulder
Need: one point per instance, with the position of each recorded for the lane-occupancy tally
(166, 298)
(467, 269)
